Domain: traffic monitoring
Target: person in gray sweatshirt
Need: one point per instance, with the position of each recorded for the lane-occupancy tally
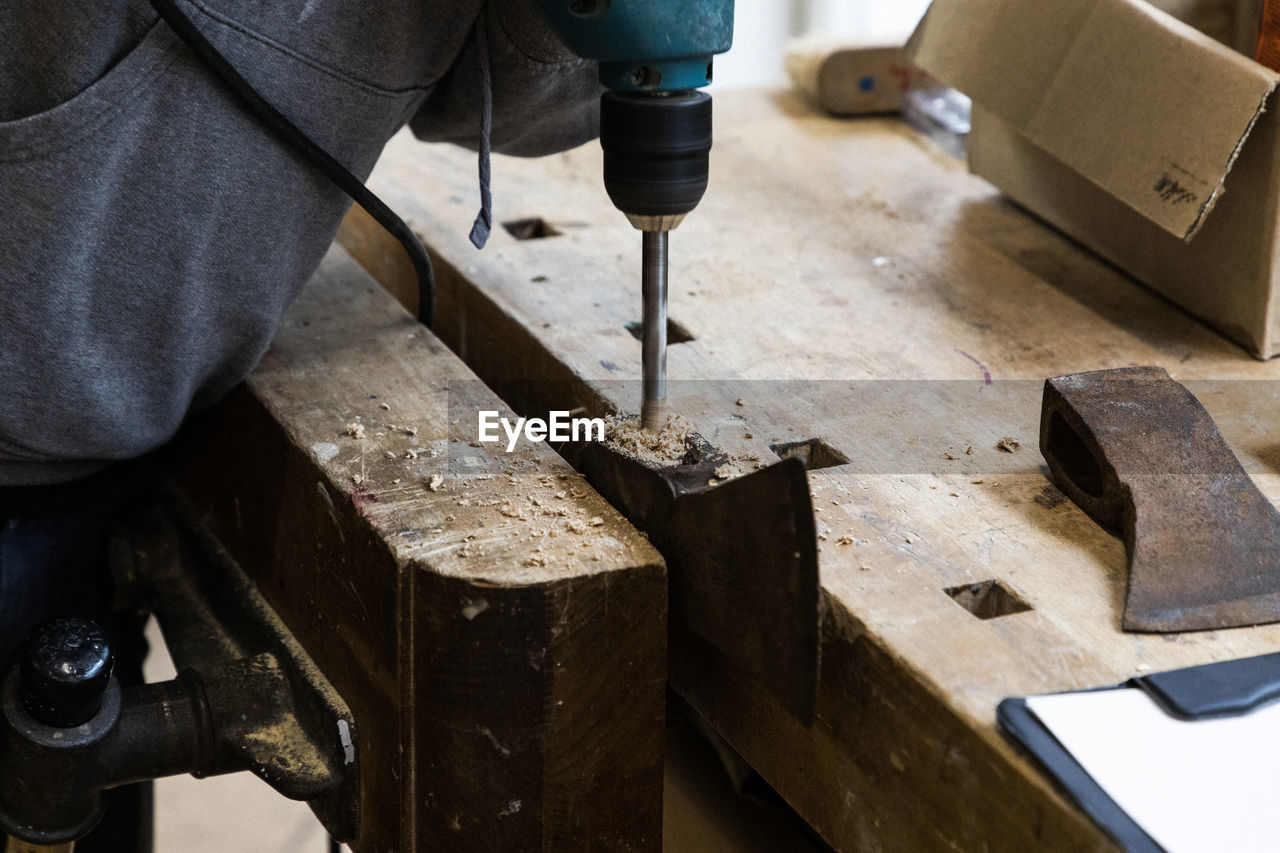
(153, 229)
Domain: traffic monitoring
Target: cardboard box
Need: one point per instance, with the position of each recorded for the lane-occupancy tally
(1134, 133)
(1232, 22)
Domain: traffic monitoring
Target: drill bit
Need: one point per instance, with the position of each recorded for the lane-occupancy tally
(653, 325)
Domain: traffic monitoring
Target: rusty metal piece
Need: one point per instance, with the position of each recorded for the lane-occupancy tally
(742, 558)
(272, 711)
(1137, 452)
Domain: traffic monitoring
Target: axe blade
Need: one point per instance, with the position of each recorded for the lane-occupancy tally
(1138, 453)
(742, 561)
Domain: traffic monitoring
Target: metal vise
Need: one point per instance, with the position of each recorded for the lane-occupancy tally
(246, 698)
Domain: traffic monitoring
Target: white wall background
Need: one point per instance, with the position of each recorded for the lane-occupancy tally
(761, 29)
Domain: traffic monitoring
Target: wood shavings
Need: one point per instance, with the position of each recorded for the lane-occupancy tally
(1008, 445)
(738, 464)
(596, 521)
(358, 479)
(436, 481)
(845, 540)
(384, 406)
(511, 512)
(390, 454)
(663, 448)
(411, 454)
(355, 430)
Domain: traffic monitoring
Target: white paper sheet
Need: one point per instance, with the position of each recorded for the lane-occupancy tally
(1196, 787)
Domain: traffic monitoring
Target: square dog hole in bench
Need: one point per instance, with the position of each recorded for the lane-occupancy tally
(815, 453)
(987, 599)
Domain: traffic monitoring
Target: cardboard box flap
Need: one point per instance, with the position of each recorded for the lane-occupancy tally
(1151, 110)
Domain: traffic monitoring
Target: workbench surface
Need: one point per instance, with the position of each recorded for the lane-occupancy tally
(482, 614)
(830, 262)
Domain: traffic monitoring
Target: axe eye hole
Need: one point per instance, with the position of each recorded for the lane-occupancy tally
(1076, 461)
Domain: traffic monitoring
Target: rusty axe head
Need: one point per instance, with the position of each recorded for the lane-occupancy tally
(742, 557)
(1137, 452)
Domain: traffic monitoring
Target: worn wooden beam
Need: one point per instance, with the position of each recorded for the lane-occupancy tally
(496, 628)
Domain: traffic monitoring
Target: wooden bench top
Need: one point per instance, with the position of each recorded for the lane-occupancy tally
(830, 262)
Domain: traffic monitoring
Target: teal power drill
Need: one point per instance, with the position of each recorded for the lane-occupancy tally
(655, 129)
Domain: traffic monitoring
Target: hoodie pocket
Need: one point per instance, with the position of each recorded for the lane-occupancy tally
(64, 125)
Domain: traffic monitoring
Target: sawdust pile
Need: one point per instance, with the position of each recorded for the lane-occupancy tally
(664, 448)
(737, 465)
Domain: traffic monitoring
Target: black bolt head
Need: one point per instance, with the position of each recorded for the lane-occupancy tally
(66, 666)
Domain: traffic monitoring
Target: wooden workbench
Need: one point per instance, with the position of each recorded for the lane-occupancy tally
(496, 629)
(831, 261)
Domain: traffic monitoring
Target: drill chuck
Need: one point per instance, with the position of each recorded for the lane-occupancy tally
(656, 148)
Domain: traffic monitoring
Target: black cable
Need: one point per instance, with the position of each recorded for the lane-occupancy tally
(289, 132)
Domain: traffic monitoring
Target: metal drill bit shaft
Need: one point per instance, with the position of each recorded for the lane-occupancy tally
(653, 358)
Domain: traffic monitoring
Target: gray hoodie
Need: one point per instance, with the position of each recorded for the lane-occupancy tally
(152, 232)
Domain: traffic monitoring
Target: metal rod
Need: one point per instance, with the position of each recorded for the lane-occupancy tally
(653, 358)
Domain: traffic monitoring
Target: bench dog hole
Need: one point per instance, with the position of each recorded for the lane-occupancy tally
(676, 334)
(987, 599)
(530, 229)
(813, 452)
